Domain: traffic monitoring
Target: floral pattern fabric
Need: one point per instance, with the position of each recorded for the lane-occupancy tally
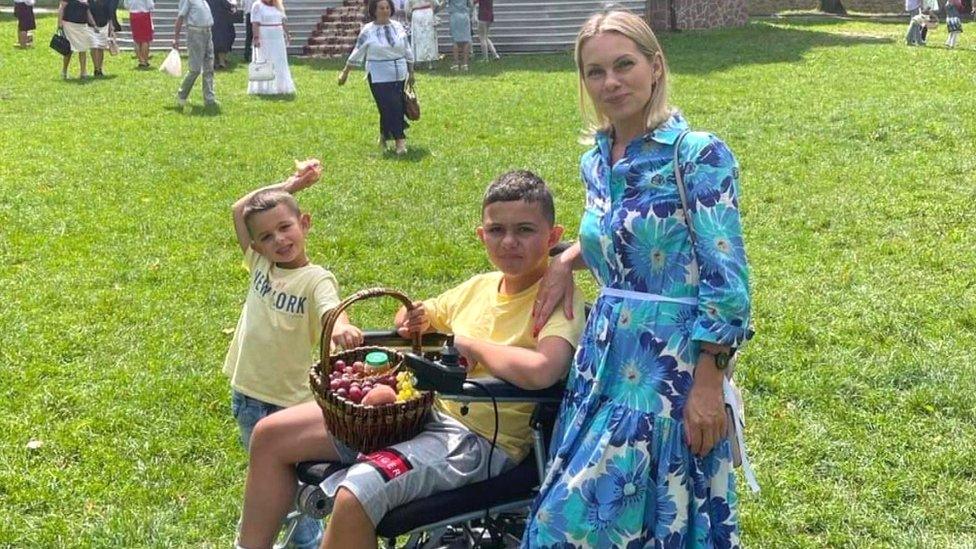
(621, 474)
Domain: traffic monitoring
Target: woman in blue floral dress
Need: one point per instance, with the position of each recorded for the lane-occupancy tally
(640, 456)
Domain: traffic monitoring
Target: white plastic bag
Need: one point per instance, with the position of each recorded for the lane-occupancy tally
(172, 65)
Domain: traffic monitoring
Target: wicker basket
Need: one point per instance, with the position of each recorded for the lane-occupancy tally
(360, 427)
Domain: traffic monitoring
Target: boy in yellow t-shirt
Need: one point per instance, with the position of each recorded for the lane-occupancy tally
(281, 322)
(491, 317)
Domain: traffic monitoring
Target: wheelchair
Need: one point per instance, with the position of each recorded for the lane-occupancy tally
(489, 513)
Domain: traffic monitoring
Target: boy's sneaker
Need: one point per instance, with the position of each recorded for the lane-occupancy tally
(180, 102)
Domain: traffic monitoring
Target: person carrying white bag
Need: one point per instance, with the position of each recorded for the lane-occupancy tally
(199, 44)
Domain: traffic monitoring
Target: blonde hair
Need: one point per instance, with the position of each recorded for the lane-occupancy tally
(637, 30)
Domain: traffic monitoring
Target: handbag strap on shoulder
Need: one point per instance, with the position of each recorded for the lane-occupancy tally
(682, 190)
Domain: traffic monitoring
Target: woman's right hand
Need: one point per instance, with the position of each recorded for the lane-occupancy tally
(555, 287)
(343, 74)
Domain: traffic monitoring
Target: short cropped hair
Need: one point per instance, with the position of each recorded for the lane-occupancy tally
(371, 8)
(263, 201)
(521, 185)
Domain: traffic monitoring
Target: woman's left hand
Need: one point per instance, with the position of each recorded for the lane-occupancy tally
(705, 410)
(410, 79)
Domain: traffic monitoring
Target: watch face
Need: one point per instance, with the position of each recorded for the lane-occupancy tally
(721, 360)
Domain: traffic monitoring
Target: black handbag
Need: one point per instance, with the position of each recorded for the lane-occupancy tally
(60, 44)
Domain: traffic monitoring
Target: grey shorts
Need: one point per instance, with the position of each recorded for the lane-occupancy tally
(446, 455)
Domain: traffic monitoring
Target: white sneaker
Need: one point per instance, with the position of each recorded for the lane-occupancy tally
(180, 102)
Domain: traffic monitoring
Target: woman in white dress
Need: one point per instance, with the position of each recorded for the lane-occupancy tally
(270, 42)
(423, 30)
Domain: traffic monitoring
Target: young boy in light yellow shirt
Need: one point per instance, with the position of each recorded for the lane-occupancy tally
(281, 322)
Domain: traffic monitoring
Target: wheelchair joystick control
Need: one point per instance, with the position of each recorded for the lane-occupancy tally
(444, 375)
(449, 353)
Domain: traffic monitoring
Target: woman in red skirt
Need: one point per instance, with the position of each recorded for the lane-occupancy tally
(140, 19)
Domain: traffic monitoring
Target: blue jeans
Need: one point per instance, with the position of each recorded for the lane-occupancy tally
(248, 411)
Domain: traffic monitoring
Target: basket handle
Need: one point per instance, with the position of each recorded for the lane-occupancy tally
(333, 315)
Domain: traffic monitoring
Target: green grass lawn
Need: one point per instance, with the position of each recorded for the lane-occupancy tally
(120, 275)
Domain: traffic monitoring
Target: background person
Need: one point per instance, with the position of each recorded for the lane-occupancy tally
(271, 41)
(460, 14)
(199, 46)
(423, 31)
(382, 44)
(141, 23)
(640, 455)
(953, 23)
(486, 16)
(223, 30)
(24, 12)
(106, 25)
(76, 20)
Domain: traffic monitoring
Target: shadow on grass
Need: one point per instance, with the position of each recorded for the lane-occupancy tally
(283, 98)
(414, 154)
(759, 43)
(553, 62)
(195, 110)
(693, 52)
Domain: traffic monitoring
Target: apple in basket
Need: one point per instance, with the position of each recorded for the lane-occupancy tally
(380, 395)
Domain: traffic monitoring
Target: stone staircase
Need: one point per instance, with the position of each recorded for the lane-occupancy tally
(535, 26)
(328, 28)
(303, 18)
(521, 26)
(336, 32)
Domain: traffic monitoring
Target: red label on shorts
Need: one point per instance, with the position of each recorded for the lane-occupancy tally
(388, 463)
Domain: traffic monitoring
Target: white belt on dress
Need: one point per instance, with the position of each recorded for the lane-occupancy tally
(729, 394)
(630, 294)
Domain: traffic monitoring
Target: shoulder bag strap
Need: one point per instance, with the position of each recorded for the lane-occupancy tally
(682, 190)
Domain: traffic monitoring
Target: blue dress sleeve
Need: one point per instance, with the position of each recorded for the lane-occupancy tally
(711, 175)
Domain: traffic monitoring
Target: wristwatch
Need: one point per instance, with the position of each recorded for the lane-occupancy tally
(721, 358)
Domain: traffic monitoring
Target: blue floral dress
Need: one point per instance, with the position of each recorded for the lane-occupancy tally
(621, 474)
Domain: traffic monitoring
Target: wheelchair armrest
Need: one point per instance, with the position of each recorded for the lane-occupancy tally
(431, 341)
(484, 388)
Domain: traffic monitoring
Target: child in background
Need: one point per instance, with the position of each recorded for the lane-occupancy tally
(281, 322)
(914, 35)
(953, 23)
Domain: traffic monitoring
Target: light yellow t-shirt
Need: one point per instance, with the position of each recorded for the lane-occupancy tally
(279, 328)
(477, 310)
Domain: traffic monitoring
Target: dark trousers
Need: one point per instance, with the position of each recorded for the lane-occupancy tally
(389, 101)
(248, 37)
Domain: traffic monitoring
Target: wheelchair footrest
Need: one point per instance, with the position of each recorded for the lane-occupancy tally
(516, 484)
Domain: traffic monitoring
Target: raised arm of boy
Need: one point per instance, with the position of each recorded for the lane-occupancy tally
(531, 369)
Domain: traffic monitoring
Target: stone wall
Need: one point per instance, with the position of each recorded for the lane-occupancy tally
(768, 7)
(697, 14)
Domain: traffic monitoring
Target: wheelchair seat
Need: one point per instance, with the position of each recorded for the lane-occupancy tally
(513, 487)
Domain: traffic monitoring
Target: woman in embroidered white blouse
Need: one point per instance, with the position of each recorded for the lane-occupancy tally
(386, 51)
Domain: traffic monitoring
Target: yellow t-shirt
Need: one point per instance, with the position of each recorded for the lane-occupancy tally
(477, 310)
(279, 328)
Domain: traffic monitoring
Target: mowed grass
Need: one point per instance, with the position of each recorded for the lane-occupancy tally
(120, 275)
